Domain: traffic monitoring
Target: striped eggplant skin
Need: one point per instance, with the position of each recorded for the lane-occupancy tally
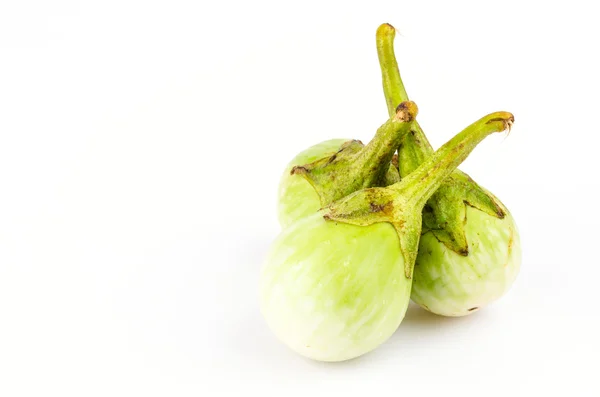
(332, 291)
(297, 197)
(449, 284)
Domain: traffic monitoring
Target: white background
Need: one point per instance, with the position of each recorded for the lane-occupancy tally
(141, 143)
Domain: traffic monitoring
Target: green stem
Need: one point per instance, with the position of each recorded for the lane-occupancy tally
(375, 157)
(356, 167)
(415, 148)
(392, 83)
(419, 185)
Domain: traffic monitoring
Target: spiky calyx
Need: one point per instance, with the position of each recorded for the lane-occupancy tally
(296, 197)
(445, 217)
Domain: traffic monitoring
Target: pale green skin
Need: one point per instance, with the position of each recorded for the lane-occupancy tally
(449, 284)
(333, 291)
(297, 197)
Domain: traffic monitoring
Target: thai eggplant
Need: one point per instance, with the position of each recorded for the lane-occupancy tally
(336, 284)
(469, 252)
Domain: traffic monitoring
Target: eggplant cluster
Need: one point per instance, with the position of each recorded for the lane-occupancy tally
(367, 228)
